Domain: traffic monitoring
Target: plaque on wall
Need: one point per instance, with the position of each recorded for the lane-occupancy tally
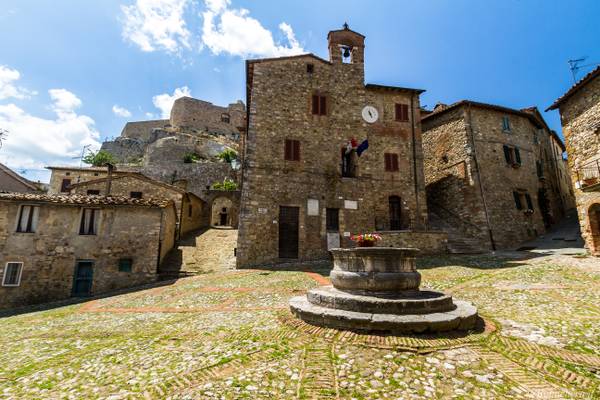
(312, 207)
(351, 204)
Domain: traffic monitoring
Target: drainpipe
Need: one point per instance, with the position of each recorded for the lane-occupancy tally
(110, 168)
(478, 172)
(414, 154)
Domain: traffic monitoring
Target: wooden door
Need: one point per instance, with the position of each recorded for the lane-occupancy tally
(82, 281)
(288, 232)
(395, 213)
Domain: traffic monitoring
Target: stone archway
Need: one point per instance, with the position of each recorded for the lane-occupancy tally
(224, 207)
(594, 224)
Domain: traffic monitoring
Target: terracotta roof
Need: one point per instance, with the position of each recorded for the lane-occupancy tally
(18, 177)
(135, 175)
(494, 107)
(75, 199)
(371, 86)
(582, 82)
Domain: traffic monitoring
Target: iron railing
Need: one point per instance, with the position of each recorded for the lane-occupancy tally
(589, 174)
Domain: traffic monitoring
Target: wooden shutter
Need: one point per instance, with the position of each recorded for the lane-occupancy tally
(388, 162)
(401, 112)
(287, 153)
(529, 202)
(394, 162)
(517, 155)
(315, 104)
(323, 105)
(296, 150)
(507, 154)
(517, 197)
(64, 186)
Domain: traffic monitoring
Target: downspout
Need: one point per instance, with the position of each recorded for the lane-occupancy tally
(477, 171)
(414, 156)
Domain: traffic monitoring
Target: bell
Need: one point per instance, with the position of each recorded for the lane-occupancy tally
(346, 52)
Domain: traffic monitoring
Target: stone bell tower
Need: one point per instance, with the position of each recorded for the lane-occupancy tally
(347, 49)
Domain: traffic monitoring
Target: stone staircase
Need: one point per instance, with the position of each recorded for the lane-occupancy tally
(207, 250)
(458, 241)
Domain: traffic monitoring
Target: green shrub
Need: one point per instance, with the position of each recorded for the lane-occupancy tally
(227, 184)
(228, 155)
(190, 158)
(99, 158)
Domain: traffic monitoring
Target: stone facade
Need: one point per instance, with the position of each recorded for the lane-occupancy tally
(307, 181)
(62, 178)
(142, 231)
(190, 208)
(427, 242)
(10, 181)
(580, 118)
(472, 188)
(194, 114)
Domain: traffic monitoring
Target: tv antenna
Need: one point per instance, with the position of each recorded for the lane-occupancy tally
(80, 158)
(574, 66)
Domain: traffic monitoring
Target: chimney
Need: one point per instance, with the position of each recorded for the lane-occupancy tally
(110, 168)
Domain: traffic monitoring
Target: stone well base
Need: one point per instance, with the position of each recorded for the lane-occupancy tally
(463, 317)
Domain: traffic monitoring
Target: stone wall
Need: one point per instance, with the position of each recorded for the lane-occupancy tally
(143, 130)
(281, 91)
(194, 114)
(192, 214)
(580, 118)
(428, 242)
(49, 255)
(76, 175)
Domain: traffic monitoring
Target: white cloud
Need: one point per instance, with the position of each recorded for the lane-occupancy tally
(157, 25)
(8, 77)
(149, 115)
(34, 142)
(164, 102)
(233, 31)
(121, 111)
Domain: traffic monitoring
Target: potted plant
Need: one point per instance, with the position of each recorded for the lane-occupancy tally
(366, 239)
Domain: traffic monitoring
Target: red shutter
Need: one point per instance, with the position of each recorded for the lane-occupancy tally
(296, 153)
(323, 105)
(288, 150)
(387, 161)
(394, 162)
(401, 112)
(315, 104)
(398, 112)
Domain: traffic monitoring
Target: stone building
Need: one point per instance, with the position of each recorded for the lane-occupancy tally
(308, 179)
(53, 247)
(10, 181)
(192, 211)
(579, 111)
(492, 174)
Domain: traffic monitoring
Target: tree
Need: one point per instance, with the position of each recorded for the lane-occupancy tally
(227, 184)
(99, 158)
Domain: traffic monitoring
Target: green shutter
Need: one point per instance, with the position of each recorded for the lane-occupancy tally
(518, 155)
(507, 154)
(529, 202)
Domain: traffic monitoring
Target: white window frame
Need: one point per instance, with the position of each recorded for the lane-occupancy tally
(18, 275)
(97, 217)
(35, 223)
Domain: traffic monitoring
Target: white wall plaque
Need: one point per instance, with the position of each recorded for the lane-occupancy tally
(313, 207)
(351, 204)
(262, 210)
(346, 234)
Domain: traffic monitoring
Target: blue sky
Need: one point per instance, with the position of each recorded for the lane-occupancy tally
(73, 72)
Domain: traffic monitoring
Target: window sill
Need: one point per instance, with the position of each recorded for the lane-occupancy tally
(88, 234)
(11, 286)
(25, 233)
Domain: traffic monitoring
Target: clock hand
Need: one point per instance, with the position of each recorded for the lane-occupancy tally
(370, 115)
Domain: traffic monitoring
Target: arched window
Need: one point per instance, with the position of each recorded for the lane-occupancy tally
(225, 118)
(395, 213)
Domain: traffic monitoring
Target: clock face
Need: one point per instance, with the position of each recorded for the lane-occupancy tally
(370, 114)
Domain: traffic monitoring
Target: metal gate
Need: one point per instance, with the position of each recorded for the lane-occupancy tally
(288, 232)
(83, 278)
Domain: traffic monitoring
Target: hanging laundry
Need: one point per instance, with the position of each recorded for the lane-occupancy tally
(362, 147)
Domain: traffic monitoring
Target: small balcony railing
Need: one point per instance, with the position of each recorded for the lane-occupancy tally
(588, 176)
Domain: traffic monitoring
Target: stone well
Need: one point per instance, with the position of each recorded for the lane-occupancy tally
(377, 289)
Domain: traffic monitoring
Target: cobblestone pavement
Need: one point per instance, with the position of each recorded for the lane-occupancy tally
(229, 335)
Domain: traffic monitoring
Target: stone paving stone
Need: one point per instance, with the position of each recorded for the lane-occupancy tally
(228, 335)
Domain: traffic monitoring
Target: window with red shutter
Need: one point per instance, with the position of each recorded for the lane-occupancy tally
(292, 150)
(319, 105)
(391, 162)
(315, 104)
(323, 106)
(394, 162)
(296, 152)
(401, 112)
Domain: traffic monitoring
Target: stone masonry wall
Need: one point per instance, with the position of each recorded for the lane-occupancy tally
(429, 242)
(280, 109)
(188, 113)
(49, 255)
(580, 118)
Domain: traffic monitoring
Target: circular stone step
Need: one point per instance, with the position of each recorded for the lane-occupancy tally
(412, 302)
(463, 317)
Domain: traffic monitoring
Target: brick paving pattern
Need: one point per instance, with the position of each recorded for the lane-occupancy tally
(229, 335)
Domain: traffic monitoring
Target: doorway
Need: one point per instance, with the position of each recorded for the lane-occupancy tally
(395, 206)
(288, 232)
(83, 278)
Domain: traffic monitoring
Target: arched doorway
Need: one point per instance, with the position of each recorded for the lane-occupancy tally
(395, 206)
(594, 224)
(221, 212)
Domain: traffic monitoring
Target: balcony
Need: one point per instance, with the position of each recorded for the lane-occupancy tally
(588, 177)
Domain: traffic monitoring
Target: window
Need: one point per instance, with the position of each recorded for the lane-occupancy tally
(292, 150)
(512, 155)
(93, 192)
(89, 221)
(28, 219)
(64, 186)
(12, 274)
(310, 68)
(522, 199)
(135, 195)
(391, 162)
(505, 124)
(402, 112)
(540, 169)
(125, 265)
(332, 219)
(319, 105)
(190, 210)
(225, 118)
(395, 205)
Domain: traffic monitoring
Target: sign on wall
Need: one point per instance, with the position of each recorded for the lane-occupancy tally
(313, 207)
(351, 204)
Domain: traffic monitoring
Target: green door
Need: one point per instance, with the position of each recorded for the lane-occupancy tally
(82, 280)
